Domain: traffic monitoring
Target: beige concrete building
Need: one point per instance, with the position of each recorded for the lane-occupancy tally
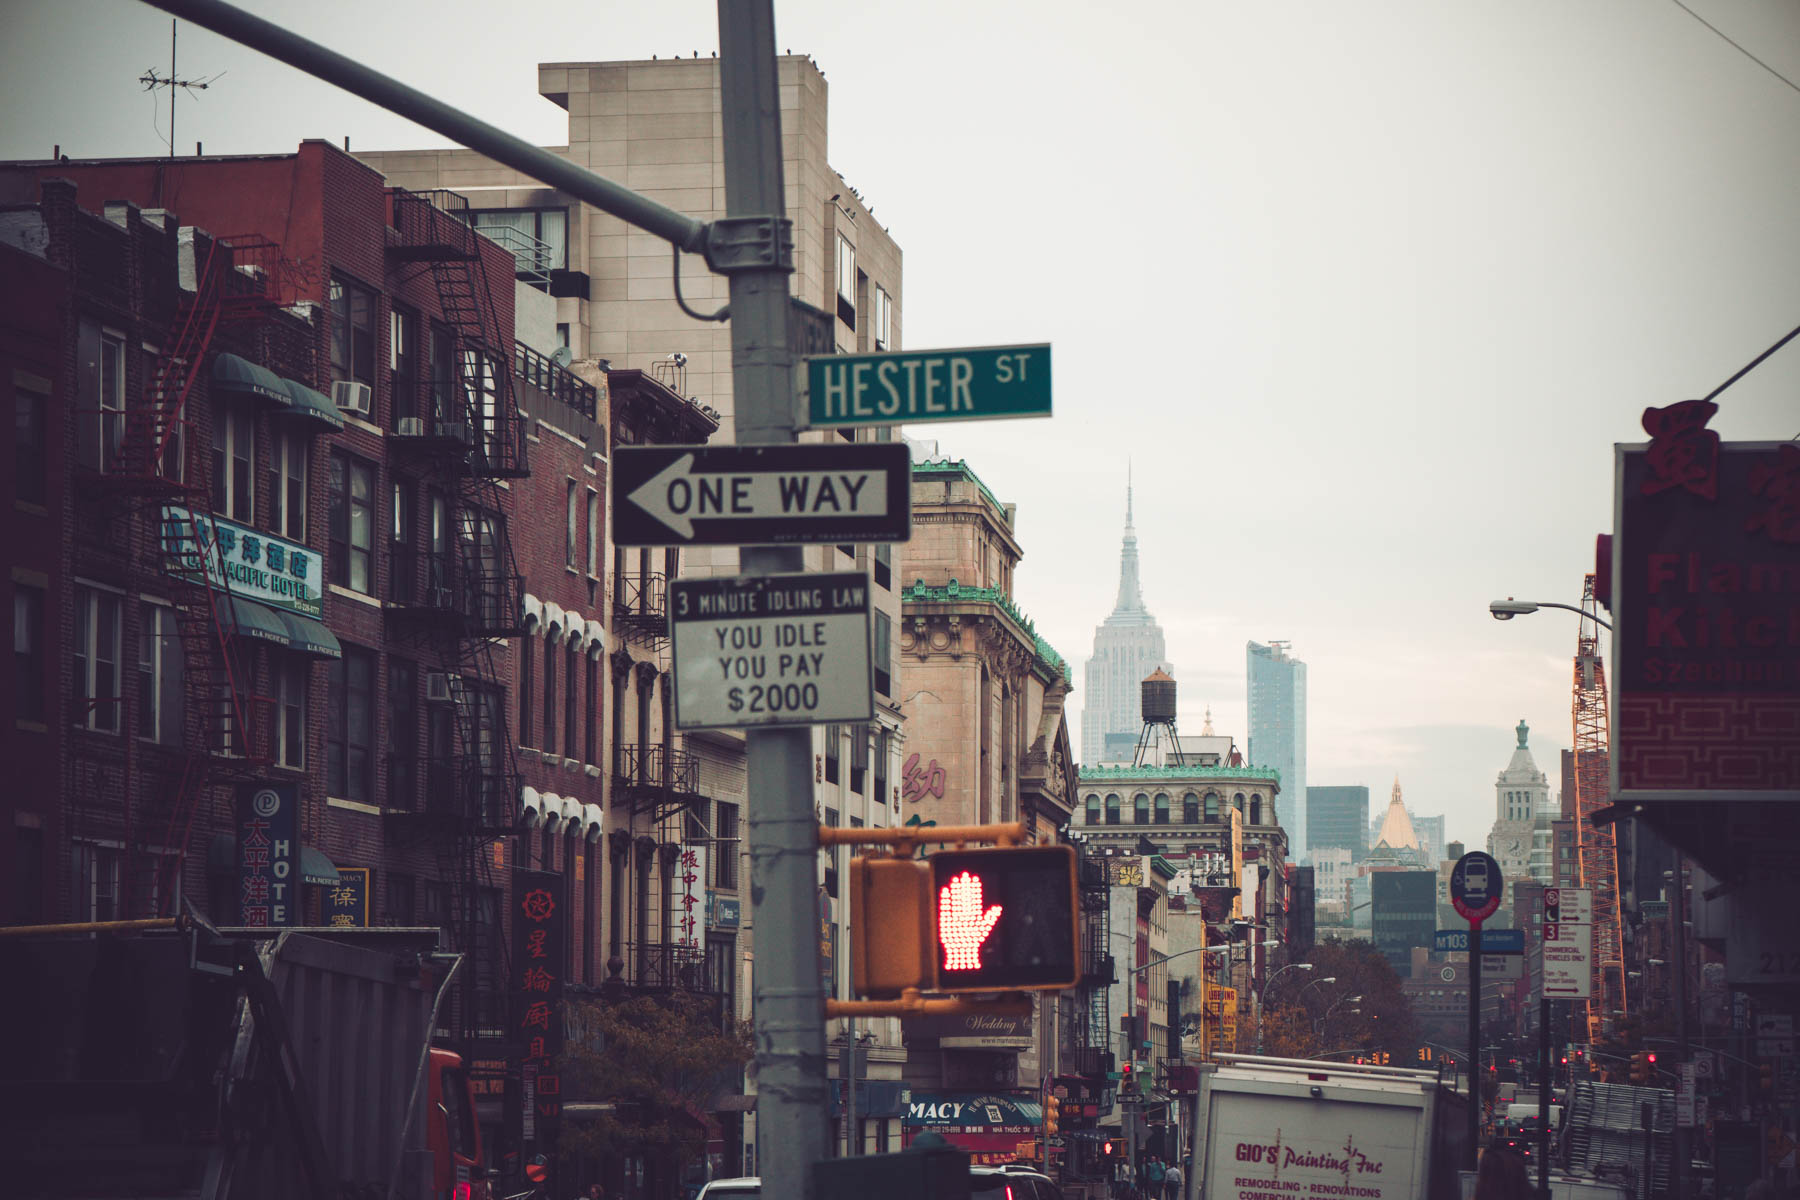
(983, 697)
(655, 127)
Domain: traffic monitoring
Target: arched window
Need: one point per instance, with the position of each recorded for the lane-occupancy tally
(1112, 808)
(1162, 808)
(1190, 809)
(1212, 808)
(1256, 808)
(1140, 808)
(1238, 802)
(1093, 808)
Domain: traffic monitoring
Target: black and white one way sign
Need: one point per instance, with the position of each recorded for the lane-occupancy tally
(761, 495)
(771, 650)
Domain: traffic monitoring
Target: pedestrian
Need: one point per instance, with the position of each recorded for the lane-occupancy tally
(1172, 1180)
(596, 1192)
(1502, 1176)
(1153, 1178)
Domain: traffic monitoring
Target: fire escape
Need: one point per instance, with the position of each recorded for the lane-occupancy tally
(461, 594)
(157, 482)
(1087, 1031)
(1599, 851)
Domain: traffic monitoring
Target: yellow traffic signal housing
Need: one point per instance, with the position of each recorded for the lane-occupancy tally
(1640, 1068)
(1052, 1116)
(1004, 919)
(890, 925)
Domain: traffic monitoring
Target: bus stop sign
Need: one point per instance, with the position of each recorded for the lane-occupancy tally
(1475, 887)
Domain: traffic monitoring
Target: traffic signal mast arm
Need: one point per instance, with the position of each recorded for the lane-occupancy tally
(906, 838)
(913, 1003)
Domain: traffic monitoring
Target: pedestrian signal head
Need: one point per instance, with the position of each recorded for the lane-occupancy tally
(1004, 918)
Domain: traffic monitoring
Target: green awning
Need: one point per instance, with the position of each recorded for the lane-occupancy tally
(241, 617)
(302, 401)
(309, 636)
(236, 374)
(246, 618)
(316, 868)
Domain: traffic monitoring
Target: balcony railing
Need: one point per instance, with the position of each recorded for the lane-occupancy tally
(555, 381)
(666, 966)
(433, 226)
(655, 767)
(640, 604)
(460, 790)
(441, 584)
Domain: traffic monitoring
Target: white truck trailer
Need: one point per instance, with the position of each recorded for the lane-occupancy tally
(1302, 1129)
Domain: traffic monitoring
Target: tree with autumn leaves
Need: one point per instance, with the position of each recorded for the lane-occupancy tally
(1301, 1021)
(654, 1063)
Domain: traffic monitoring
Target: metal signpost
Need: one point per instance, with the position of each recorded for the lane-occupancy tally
(771, 650)
(1475, 886)
(761, 495)
(1568, 939)
(928, 385)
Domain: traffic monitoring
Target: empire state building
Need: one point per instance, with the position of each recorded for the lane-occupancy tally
(1128, 645)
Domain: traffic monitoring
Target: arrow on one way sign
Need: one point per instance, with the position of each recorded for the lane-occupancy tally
(746, 495)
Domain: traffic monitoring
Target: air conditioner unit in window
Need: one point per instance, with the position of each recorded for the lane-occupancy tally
(437, 686)
(354, 397)
(454, 430)
(411, 427)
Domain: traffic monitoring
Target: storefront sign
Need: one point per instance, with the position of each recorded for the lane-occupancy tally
(347, 901)
(723, 912)
(1221, 1018)
(255, 565)
(540, 958)
(690, 919)
(987, 1125)
(973, 1031)
(268, 854)
(1706, 567)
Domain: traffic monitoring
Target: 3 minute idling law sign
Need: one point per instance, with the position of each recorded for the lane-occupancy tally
(1706, 607)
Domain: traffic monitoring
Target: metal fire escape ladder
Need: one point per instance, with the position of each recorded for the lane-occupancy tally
(161, 469)
(1598, 844)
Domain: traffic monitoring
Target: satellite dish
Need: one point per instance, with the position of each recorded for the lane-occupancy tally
(563, 356)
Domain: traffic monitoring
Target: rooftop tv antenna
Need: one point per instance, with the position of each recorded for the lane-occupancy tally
(151, 81)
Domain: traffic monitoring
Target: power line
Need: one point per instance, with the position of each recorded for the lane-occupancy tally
(1740, 49)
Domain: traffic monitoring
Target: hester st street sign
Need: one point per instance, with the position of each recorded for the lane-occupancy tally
(761, 495)
(928, 385)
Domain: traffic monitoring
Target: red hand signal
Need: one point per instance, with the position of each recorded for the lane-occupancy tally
(962, 925)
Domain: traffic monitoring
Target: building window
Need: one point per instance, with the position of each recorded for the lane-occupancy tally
(833, 736)
(352, 331)
(1112, 808)
(549, 746)
(97, 636)
(402, 733)
(1140, 809)
(94, 887)
(884, 565)
(1190, 809)
(1162, 808)
(400, 893)
(28, 653)
(593, 534)
(592, 725)
(287, 490)
(403, 557)
(350, 726)
(1256, 809)
(884, 319)
(725, 847)
(884, 652)
(111, 399)
(545, 244)
(570, 742)
(403, 363)
(572, 516)
(352, 488)
(883, 742)
(30, 440)
(440, 368)
(1212, 808)
(527, 693)
(159, 709)
(846, 281)
(233, 460)
(859, 757)
(1093, 810)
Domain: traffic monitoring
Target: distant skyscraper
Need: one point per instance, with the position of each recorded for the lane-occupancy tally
(1337, 817)
(1277, 686)
(1128, 645)
(1431, 837)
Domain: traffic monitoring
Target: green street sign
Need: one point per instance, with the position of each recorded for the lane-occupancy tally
(979, 384)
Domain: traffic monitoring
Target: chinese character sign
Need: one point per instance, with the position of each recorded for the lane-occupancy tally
(268, 854)
(690, 895)
(254, 564)
(540, 962)
(347, 900)
(919, 781)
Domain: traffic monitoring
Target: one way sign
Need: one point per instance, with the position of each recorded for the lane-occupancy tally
(761, 495)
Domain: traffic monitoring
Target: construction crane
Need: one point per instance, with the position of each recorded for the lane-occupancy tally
(1598, 845)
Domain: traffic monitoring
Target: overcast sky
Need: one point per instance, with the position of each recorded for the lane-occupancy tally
(1365, 291)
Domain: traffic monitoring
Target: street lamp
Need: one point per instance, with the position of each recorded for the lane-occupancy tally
(1319, 1025)
(1507, 609)
(1264, 991)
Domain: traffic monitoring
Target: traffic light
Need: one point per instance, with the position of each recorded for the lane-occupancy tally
(1640, 1068)
(1766, 1077)
(1052, 1116)
(1005, 918)
(890, 925)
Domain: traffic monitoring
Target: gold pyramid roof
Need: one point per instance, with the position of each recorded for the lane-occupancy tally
(1396, 830)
